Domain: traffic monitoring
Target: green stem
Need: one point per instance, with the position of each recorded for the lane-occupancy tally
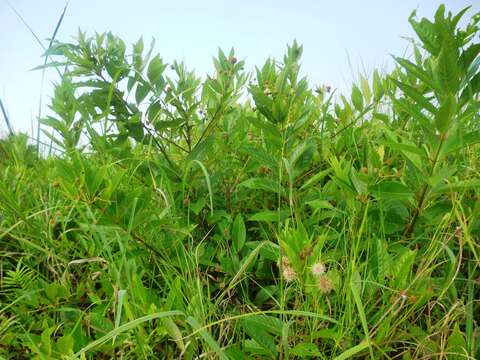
(418, 209)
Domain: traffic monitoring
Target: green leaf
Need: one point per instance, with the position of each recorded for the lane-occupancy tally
(267, 127)
(205, 174)
(118, 312)
(461, 141)
(137, 55)
(414, 111)
(390, 189)
(135, 127)
(404, 147)
(305, 349)
(316, 178)
(446, 70)
(168, 124)
(456, 345)
(377, 86)
(123, 328)
(355, 288)
(174, 332)
(141, 92)
(259, 329)
(367, 93)
(347, 354)
(207, 337)
(357, 98)
(53, 123)
(319, 204)
(445, 114)
(270, 216)
(415, 95)
(402, 266)
(46, 343)
(64, 345)
(262, 184)
(457, 186)
(155, 69)
(417, 72)
(238, 233)
(268, 250)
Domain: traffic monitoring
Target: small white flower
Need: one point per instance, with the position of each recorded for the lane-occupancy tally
(289, 274)
(318, 269)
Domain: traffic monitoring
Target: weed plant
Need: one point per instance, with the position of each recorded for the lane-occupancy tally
(246, 215)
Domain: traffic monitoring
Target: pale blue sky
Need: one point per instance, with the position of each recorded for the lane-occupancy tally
(340, 38)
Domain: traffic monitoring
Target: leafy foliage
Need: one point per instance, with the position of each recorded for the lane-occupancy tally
(246, 215)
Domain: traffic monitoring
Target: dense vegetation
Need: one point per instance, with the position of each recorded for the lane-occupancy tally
(246, 215)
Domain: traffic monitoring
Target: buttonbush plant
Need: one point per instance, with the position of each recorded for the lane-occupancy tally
(246, 214)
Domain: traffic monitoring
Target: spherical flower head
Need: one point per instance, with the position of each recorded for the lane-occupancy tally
(284, 261)
(289, 274)
(324, 284)
(318, 269)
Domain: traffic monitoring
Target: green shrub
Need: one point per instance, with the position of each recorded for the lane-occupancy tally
(246, 215)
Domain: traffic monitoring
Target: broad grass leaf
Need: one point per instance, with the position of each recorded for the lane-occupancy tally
(301, 157)
(174, 332)
(118, 312)
(123, 328)
(440, 175)
(207, 337)
(426, 32)
(46, 343)
(356, 290)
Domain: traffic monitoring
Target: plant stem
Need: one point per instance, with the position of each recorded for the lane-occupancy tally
(416, 212)
(7, 120)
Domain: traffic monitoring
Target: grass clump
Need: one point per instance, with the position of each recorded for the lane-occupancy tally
(246, 215)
